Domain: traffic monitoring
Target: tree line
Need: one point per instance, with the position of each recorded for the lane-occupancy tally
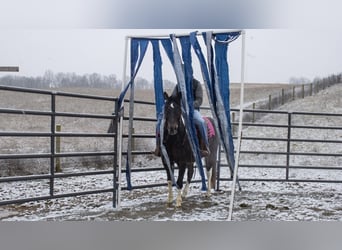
(62, 80)
(331, 79)
(95, 80)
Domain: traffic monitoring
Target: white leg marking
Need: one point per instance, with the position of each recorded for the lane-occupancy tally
(186, 190)
(170, 195)
(179, 198)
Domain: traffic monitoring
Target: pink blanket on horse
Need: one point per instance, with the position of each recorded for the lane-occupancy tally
(210, 126)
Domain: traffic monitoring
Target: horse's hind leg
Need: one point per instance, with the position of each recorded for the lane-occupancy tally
(211, 160)
(186, 189)
(210, 163)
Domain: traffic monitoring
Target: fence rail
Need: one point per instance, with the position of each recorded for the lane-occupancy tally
(289, 127)
(53, 155)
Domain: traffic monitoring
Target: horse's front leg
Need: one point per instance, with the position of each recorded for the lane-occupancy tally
(181, 172)
(169, 181)
(170, 193)
(188, 181)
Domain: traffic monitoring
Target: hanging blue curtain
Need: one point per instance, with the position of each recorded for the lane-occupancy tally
(138, 50)
(222, 72)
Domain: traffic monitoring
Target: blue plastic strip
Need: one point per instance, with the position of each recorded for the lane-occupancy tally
(158, 78)
(188, 103)
(138, 50)
(167, 44)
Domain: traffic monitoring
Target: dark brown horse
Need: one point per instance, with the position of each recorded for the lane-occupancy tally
(179, 150)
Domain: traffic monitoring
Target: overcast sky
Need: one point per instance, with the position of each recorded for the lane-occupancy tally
(82, 42)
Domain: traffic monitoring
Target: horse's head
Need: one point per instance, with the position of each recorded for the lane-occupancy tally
(172, 113)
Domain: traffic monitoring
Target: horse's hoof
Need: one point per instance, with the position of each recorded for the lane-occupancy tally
(178, 202)
(204, 153)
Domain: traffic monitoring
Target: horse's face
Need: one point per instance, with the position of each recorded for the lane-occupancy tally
(173, 114)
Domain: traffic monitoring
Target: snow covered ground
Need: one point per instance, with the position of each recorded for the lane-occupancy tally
(260, 201)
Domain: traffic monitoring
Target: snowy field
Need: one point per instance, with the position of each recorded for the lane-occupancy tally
(258, 201)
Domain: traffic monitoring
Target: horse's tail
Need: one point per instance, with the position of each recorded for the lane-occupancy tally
(213, 176)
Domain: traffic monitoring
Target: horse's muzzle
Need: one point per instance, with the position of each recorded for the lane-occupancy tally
(172, 130)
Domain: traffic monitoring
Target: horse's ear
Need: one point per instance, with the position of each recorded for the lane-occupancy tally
(166, 96)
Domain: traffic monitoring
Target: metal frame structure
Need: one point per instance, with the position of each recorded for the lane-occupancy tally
(243, 34)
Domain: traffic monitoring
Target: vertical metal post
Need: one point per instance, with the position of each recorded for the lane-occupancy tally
(253, 117)
(52, 142)
(242, 88)
(269, 102)
(233, 125)
(288, 149)
(58, 148)
(115, 163)
(132, 143)
(294, 93)
(218, 164)
(282, 96)
(130, 125)
(317, 87)
(303, 93)
(120, 132)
